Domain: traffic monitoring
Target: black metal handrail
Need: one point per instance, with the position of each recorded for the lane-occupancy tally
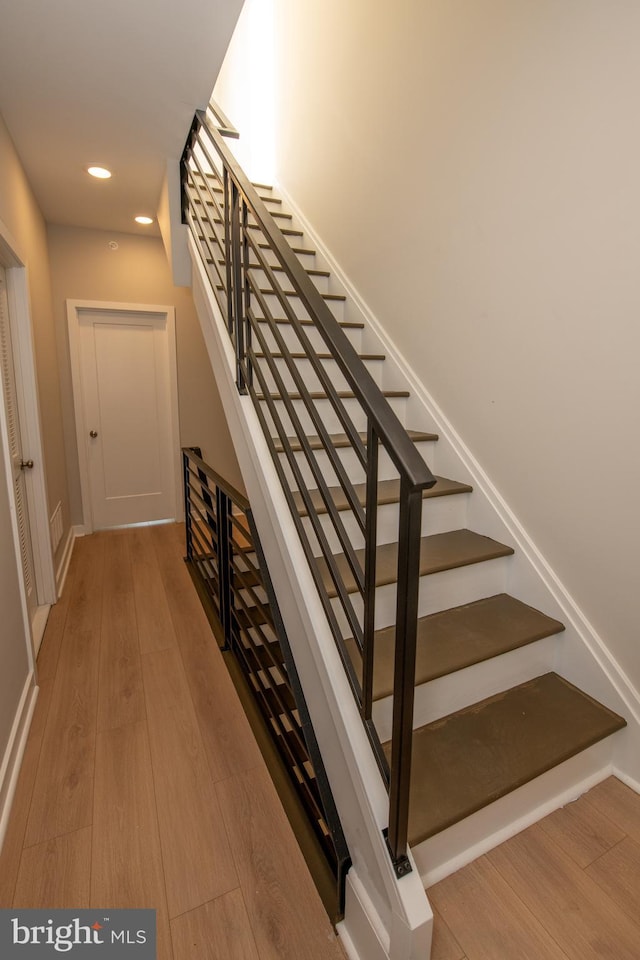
(268, 299)
(225, 554)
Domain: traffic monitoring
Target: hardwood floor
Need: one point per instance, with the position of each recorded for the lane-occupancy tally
(142, 784)
(568, 888)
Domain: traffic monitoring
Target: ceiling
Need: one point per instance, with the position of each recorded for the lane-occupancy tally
(114, 82)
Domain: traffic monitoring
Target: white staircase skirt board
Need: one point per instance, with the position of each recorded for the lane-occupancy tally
(585, 660)
(398, 907)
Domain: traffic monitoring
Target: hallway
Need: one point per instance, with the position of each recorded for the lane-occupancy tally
(142, 785)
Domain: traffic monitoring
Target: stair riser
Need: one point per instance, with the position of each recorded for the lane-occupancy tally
(329, 416)
(290, 338)
(438, 591)
(311, 379)
(352, 465)
(276, 309)
(306, 258)
(438, 516)
(460, 689)
(450, 850)
(320, 283)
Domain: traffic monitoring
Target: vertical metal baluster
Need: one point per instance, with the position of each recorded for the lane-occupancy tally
(226, 201)
(246, 287)
(404, 673)
(371, 513)
(236, 265)
(187, 507)
(224, 564)
(233, 632)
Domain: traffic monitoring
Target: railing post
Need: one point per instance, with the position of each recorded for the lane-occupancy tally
(238, 298)
(184, 197)
(187, 507)
(224, 564)
(226, 201)
(404, 674)
(246, 292)
(369, 625)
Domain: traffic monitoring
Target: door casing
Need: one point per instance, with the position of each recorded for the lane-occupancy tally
(74, 310)
(14, 263)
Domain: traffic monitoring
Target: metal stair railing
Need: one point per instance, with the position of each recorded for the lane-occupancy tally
(267, 299)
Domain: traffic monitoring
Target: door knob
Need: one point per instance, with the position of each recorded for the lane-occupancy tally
(26, 464)
(93, 434)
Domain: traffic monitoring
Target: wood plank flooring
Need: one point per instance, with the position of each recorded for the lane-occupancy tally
(142, 784)
(568, 888)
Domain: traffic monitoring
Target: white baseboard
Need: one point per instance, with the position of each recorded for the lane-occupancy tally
(38, 625)
(625, 778)
(12, 759)
(65, 559)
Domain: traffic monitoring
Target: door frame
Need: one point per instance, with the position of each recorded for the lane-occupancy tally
(15, 267)
(74, 308)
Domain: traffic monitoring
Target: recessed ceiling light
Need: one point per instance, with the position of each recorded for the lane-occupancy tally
(145, 220)
(101, 173)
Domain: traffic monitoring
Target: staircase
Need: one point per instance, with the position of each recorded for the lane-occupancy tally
(491, 716)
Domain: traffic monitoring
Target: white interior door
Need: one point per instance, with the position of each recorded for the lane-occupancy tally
(127, 416)
(18, 464)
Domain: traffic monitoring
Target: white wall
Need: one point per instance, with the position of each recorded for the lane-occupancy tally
(473, 166)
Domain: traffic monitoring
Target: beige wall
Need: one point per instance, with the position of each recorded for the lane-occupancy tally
(84, 267)
(473, 166)
(21, 215)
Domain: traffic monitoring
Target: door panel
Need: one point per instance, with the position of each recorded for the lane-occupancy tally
(126, 395)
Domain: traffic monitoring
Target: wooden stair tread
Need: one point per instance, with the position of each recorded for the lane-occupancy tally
(465, 761)
(287, 231)
(339, 297)
(340, 440)
(277, 215)
(459, 637)
(438, 552)
(218, 188)
(388, 492)
(278, 269)
(321, 395)
(345, 324)
(310, 271)
(264, 245)
(320, 356)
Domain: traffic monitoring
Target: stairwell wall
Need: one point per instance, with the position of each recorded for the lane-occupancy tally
(472, 166)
